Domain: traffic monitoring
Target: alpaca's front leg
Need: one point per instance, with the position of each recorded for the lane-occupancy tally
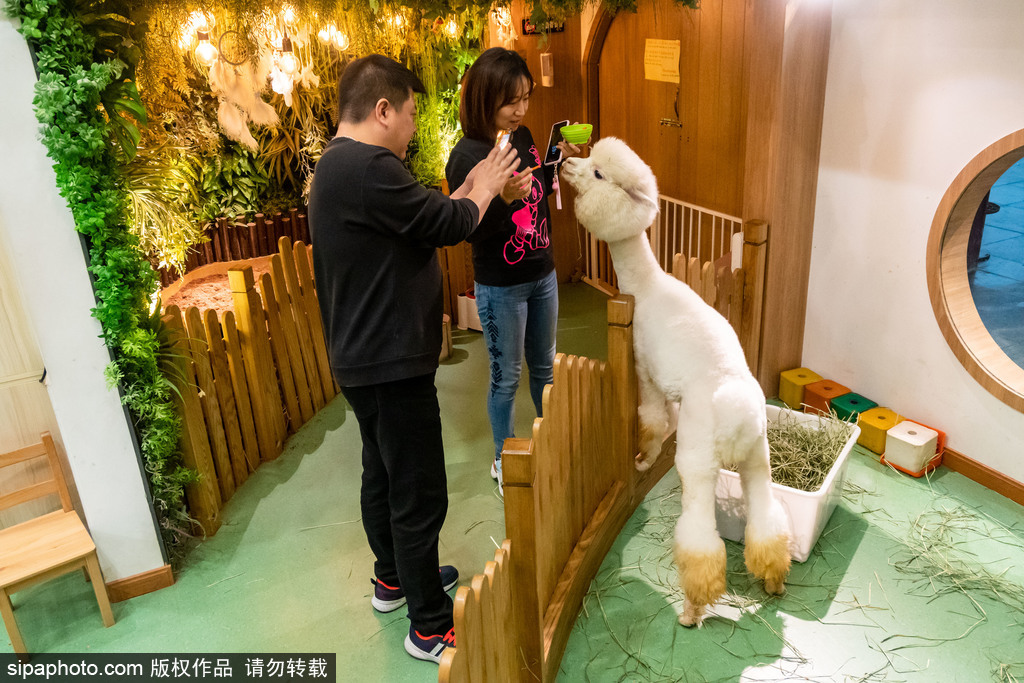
(766, 539)
(699, 551)
(653, 414)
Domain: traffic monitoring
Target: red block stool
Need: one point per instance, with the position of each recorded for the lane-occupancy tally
(818, 395)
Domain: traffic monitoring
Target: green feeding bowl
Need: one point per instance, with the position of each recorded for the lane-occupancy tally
(578, 133)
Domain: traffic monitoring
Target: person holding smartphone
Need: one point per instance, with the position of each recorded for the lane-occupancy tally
(514, 269)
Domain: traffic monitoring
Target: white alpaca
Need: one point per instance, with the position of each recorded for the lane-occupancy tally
(686, 352)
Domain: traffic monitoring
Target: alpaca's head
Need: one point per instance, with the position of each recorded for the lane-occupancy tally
(617, 194)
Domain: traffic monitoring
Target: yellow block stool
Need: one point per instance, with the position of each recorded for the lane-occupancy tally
(792, 383)
(818, 395)
(874, 424)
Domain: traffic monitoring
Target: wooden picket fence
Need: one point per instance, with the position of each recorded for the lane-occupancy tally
(238, 239)
(570, 489)
(248, 378)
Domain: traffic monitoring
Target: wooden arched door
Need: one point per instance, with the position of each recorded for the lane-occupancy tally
(691, 133)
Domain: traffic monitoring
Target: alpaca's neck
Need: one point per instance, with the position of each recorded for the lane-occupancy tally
(635, 265)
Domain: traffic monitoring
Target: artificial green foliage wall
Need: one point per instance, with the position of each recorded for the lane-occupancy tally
(87, 142)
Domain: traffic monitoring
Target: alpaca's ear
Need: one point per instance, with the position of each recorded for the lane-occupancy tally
(642, 198)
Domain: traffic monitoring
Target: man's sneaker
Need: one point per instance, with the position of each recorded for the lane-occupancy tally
(389, 598)
(494, 470)
(429, 648)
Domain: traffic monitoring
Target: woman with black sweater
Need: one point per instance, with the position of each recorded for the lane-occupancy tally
(514, 270)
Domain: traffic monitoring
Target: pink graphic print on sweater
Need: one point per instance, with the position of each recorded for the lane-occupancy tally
(528, 234)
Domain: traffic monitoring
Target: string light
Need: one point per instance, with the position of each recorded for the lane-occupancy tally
(288, 63)
(206, 52)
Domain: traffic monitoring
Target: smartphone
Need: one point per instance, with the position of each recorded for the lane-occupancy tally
(554, 155)
(504, 136)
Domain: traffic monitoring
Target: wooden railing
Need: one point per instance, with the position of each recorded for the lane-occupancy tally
(248, 378)
(570, 489)
(238, 239)
(680, 228)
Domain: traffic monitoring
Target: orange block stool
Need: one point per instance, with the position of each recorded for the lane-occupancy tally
(818, 395)
(897, 462)
(792, 383)
(874, 424)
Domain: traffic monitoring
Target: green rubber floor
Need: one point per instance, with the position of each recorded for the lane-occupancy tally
(912, 580)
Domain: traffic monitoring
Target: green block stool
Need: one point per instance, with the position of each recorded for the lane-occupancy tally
(792, 383)
(819, 395)
(848, 406)
(874, 424)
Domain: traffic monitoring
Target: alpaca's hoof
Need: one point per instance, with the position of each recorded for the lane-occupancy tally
(642, 462)
(775, 587)
(692, 614)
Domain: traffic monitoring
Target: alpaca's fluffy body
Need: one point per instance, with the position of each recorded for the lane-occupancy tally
(687, 353)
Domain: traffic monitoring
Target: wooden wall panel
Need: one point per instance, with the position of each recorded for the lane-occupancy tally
(25, 409)
(699, 161)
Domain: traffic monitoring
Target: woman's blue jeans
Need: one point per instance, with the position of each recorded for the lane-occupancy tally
(517, 321)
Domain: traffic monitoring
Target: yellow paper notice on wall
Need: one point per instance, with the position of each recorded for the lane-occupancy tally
(661, 60)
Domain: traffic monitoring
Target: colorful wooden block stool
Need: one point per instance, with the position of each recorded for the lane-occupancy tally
(792, 383)
(849, 406)
(819, 395)
(931, 460)
(909, 447)
(874, 424)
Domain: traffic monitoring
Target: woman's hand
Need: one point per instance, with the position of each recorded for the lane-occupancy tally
(518, 186)
(568, 149)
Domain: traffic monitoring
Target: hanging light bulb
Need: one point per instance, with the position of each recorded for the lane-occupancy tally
(288, 16)
(340, 40)
(288, 62)
(206, 52)
(326, 33)
(452, 29)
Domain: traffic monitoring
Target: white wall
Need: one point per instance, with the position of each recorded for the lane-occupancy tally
(916, 88)
(47, 255)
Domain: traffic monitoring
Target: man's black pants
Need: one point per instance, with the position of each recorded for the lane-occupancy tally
(404, 497)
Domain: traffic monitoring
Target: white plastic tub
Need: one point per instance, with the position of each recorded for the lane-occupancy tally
(808, 511)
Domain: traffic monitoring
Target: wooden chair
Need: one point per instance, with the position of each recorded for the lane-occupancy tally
(47, 546)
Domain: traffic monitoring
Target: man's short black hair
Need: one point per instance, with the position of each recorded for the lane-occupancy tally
(366, 80)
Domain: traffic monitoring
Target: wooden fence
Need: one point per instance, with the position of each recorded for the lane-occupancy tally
(568, 492)
(250, 377)
(238, 239)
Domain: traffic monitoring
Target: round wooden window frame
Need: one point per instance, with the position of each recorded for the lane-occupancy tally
(948, 285)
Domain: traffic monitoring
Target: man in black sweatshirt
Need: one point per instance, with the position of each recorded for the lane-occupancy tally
(375, 232)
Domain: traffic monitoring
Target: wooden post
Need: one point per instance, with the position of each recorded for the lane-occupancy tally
(268, 411)
(208, 400)
(261, 235)
(302, 324)
(518, 470)
(279, 346)
(623, 372)
(316, 325)
(226, 395)
(240, 385)
(203, 496)
(755, 260)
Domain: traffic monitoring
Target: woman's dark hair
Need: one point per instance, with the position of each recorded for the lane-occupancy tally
(370, 78)
(492, 82)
